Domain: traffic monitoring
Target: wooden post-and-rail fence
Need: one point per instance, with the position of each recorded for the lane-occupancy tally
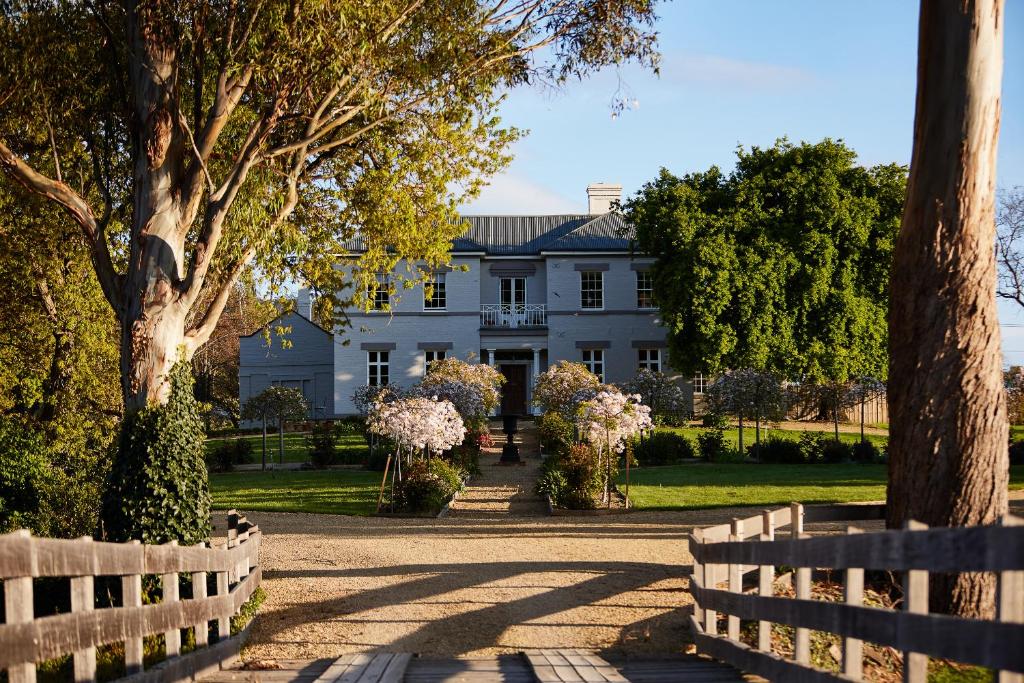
(725, 554)
(26, 640)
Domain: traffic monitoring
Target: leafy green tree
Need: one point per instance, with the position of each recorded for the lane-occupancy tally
(781, 266)
(192, 140)
(279, 404)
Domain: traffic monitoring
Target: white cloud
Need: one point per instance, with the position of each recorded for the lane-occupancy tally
(728, 72)
(509, 193)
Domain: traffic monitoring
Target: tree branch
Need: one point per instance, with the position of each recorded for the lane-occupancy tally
(79, 209)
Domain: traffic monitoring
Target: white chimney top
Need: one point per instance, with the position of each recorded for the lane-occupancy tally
(601, 196)
(303, 303)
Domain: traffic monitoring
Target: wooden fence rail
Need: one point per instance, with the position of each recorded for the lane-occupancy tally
(26, 640)
(724, 554)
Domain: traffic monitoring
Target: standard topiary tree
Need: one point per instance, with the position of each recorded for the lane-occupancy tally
(280, 404)
(157, 490)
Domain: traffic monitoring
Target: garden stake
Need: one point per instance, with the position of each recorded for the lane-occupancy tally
(383, 481)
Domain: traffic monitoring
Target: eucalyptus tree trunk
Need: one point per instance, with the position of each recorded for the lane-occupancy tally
(948, 450)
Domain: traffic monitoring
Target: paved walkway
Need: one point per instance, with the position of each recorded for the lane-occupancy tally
(503, 491)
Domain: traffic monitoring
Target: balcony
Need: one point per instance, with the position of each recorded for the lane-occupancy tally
(513, 316)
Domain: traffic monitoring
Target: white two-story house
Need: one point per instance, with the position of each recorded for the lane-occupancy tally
(526, 292)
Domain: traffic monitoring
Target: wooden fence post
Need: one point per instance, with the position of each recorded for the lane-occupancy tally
(224, 621)
(172, 638)
(1010, 600)
(802, 640)
(18, 610)
(853, 594)
(735, 581)
(698, 574)
(765, 579)
(131, 596)
(202, 628)
(83, 599)
(915, 596)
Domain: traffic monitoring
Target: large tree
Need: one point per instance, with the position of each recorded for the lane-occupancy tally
(190, 140)
(947, 450)
(781, 266)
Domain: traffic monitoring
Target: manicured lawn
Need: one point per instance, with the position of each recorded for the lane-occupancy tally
(688, 487)
(351, 448)
(336, 492)
(733, 435)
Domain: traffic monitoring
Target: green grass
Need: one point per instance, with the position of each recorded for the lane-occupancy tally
(692, 487)
(732, 435)
(351, 447)
(335, 492)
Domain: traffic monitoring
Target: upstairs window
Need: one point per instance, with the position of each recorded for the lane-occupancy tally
(431, 357)
(594, 360)
(377, 368)
(377, 292)
(591, 289)
(438, 299)
(649, 359)
(700, 383)
(644, 289)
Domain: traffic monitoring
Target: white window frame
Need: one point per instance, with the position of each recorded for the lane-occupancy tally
(438, 282)
(432, 356)
(649, 359)
(600, 291)
(594, 360)
(512, 291)
(649, 289)
(700, 384)
(379, 360)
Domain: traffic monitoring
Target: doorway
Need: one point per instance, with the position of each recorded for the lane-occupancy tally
(513, 393)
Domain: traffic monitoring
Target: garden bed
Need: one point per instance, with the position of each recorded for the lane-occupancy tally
(443, 512)
(620, 505)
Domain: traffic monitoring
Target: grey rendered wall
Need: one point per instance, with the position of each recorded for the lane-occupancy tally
(619, 324)
(407, 326)
(309, 357)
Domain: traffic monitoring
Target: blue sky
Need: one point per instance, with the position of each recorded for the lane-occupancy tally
(743, 72)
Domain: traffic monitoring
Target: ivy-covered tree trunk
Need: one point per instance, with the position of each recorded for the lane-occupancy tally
(948, 448)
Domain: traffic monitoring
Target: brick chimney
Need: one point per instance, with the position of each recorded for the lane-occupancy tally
(601, 196)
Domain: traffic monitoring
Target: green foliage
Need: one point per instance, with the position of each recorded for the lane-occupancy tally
(229, 453)
(580, 468)
(22, 470)
(835, 452)
(157, 490)
(427, 485)
(663, 448)
(247, 612)
(777, 450)
(782, 266)
(713, 446)
(867, 452)
(556, 432)
(282, 404)
(323, 445)
(550, 480)
(714, 420)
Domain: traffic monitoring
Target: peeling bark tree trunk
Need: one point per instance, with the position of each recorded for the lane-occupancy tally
(948, 450)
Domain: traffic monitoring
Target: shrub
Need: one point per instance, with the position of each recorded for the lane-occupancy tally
(712, 445)
(1017, 452)
(551, 481)
(663, 448)
(467, 458)
(777, 450)
(556, 432)
(713, 420)
(426, 486)
(157, 490)
(580, 468)
(323, 445)
(812, 445)
(836, 452)
(866, 452)
(22, 471)
(351, 425)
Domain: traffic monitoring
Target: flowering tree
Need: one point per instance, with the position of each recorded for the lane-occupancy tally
(608, 421)
(563, 386)
(748, 392)
(482, 378)
(417, 425)
(665, 397)
(466, 397)
(365, 397)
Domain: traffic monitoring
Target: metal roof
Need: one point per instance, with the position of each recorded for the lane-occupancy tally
(530, 235)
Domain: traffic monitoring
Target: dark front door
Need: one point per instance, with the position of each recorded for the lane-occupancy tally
(513, 393)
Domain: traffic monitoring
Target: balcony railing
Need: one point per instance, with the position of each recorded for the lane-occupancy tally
(513, 315)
